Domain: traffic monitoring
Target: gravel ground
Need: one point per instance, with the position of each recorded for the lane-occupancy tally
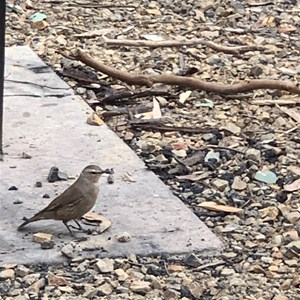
(250, 164)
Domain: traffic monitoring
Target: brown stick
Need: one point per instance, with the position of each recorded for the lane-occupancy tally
(166, 128)
(193, 83)
(157, 44)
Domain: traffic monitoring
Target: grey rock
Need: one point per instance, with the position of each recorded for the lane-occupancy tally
(253, 154)
(105, 265)
(22, 271)
(68, 251)
(104, 289)
(227, 272)
(294, 246)
(192, 260)
(49, 244)
(291, 262)
(140, 287)
(122, 275)
(36, 286)
(171, 294)
(7, 274)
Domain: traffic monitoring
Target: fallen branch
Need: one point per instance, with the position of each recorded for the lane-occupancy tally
(96, 5)
(159, 44)
(166, 128)
(131, 95)
(193, 83)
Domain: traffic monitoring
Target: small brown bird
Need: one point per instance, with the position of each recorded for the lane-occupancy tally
(75, 201)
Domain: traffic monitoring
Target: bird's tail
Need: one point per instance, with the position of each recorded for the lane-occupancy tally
(35, 218)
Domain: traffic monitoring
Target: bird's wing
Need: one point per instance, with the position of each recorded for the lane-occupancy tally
(69, 197)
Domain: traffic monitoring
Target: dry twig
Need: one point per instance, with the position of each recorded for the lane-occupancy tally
(158, 44)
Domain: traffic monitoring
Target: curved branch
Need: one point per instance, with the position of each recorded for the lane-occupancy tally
(193, 83)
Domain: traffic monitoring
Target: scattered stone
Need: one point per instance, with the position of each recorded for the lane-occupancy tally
(155, 283)
(26, 155)
(292, 235)
(253, 154)
(192, 260)
(124, 237)
(13, 188)
(104, 289)
(37, 286)
(227, 272)
(105, 265)
(31, 278)
(91, 293)
(238, 184)
(293, 217)
(171, 294)
(280, 297)
(46, 196)
(236, 281)
(41, 237)
(180, 153)
(38, 184)
(68, 251)
(232, 128)
(196, 289)
(122, 275)
(7, 274)
(52, 176)
(18, 202)
(220, 184)
(56, 280)
(47, 244)
(140, 287)
(294, 246)
(175, 268)
(22, 271)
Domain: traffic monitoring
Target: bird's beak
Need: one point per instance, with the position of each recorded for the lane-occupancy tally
(107, 171)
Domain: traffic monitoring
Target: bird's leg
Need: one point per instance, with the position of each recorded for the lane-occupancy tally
(78, 224)
(77, 228)
(66, 224)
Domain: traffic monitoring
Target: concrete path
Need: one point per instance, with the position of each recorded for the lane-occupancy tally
(49, 123)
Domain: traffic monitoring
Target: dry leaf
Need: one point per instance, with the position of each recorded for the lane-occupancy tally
(156, 109)
(294, 186)
(184, 96)
(210, 205)
(105, 223)
(92, 217)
